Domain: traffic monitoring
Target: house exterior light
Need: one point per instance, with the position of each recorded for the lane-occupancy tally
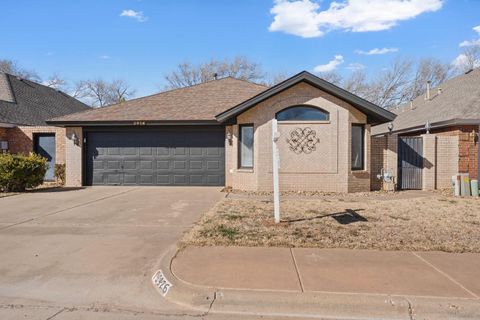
(75, 139)
(390, 126)
(428, 126)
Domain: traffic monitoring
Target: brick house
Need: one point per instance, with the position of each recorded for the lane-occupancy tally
(24, 108)
(421, 160)
(219, 133)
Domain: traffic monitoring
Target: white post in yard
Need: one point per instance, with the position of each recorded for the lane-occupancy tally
(276, 165)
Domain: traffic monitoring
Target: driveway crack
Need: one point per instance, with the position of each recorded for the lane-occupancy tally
(66, 209)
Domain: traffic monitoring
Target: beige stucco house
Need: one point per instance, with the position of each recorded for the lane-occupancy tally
(219, 133)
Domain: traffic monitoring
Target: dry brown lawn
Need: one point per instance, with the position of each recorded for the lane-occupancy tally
(435, 222)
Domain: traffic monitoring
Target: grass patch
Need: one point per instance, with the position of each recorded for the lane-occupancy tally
(433, 222)
(227, 232)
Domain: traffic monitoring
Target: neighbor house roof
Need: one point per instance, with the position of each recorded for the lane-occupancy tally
(375, 114)
(201, 102)
(457, 104)
(24, 102)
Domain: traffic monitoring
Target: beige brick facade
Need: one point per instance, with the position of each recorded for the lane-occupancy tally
(325, 169)
(442, 157)
(74, 157)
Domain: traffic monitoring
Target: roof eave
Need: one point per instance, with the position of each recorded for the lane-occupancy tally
(374, 113)
(434, 125)
(137, 123)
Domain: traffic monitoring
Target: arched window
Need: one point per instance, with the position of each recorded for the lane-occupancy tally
(302, 113)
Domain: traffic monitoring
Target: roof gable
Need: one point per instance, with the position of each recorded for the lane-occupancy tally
(375, 114)
(25, 102)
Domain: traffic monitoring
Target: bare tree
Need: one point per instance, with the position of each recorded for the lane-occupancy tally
(56, 82)
(12, 67)
(469, 59)
(188, 74)
(332, 77)
(99, 93)
(428, 69)
(119, 91)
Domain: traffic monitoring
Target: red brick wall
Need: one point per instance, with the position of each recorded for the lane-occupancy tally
(3, 133)
(20, 140)
(467, 148)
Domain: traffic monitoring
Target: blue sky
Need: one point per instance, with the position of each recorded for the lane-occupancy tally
(88, 39)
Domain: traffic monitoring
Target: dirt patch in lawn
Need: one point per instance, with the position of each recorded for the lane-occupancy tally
(436, 222)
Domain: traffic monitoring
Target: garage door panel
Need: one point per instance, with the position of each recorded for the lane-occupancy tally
(179, 165)
(165, 157)
(130, 165)
(130, 179)
(180, 179)
(163, 165)
(164, 180)
(146, 151)
(163, 151)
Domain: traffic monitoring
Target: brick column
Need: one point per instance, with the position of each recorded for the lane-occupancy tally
(391, 160)
(74, 157)
(429, 162)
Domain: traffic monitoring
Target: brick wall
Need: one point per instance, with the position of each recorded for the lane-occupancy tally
(20, 139)
(447, 160)
(384, 156)
(325, 169)
(3, 134)
(74, 157)
(468, 147)
(378, 160)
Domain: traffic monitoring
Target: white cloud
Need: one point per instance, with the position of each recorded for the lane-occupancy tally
(138, 15)
(461, 62)
(105, 57)
(305, 19)
(337, 60)
(356, 66)
(474, 42)
(377, 51)
(470, 43)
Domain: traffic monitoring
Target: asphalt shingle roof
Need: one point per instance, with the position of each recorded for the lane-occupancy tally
(459, 101)
(34, 103)
(198, 102)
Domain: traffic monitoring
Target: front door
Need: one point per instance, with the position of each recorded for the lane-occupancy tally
(44, 145)
(410, 162)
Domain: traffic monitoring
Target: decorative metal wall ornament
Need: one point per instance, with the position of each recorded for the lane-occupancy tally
(303, 140)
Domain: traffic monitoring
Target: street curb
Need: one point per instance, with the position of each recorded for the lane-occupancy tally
(326, 305)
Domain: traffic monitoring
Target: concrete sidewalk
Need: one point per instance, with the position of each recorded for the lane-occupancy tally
(432, 274)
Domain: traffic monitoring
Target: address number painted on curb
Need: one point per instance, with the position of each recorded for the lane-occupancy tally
(161, 282)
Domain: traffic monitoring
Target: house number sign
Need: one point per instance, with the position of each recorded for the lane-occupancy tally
(161, 283)
(303, 140)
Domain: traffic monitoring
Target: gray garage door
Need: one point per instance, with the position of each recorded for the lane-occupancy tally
(170, 156)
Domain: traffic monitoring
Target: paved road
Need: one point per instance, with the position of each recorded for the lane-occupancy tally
(89, 253)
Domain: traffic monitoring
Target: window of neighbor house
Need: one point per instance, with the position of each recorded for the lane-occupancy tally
(246, 146)
(302, 113)
(358, 147)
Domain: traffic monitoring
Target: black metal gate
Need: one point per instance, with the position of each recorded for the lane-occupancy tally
(410, 162)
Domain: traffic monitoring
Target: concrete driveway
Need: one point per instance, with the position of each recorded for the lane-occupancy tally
(91, 250)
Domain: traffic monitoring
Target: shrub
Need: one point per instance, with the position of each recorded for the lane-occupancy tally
(19, 172)
(60, 173)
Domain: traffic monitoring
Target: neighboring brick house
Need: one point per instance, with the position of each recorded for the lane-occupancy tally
(452, 115)
(24, 107)
(219, 133)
